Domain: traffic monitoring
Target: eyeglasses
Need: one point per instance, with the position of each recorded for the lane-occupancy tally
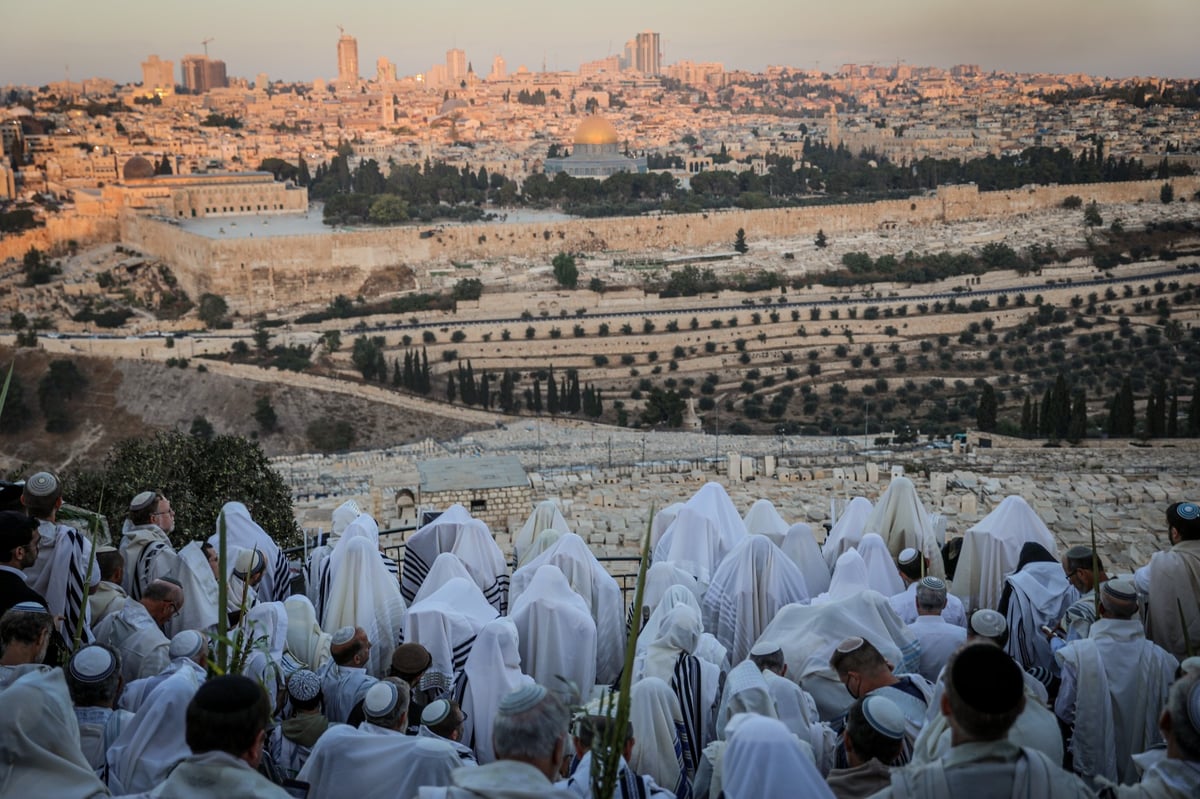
(175, 609)
(167, 512)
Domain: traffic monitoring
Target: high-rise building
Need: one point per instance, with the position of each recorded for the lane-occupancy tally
(499, 69)
(649, 58)
(201, 74)
(629, 55)
(347, 54)
(158, 77)
(385, 71)
(456, 65)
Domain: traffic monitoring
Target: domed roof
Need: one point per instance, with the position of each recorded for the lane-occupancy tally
(138, 168)
(596, 130)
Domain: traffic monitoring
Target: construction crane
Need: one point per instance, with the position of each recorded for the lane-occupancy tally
(341, 30)
(205, 45)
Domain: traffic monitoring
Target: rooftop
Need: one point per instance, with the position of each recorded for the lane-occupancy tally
(461, 474)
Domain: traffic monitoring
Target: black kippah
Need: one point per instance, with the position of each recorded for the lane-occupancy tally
(231, 693)
(986, 679)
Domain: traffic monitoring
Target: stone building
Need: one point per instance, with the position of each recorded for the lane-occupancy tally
(492, 489)
(205, 194)
(597, 153)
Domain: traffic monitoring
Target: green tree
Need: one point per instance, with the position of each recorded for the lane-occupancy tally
(388, 209)
(56, 389)
(1121, 420)
(212, 310)
(264, 414)
(821, 241)
(985, 414)
(330, 435)
(565, 271)
(262, 338)
(15, 413)
(469, 288)
(1091, 215)
(663, 407)
(1077, 426)
(1167, 194)
(739, 241)
(201, 428)
(199, 475)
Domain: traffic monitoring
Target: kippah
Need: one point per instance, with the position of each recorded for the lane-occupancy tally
(304, 685)
(229, 693)
(1120, 589)
(1187, 510)
(411, 658)
(524, 698)
(93, 664)
(249, 561)
(42, 484)
(908, 555)
(763, 648)
(142, 501)
(850, 644)
(342, 636)
(104, 549)
(30, 607)
(932, 583)
(883, 716)
(187, 644)
(381, 699)
(1190, 665)
(435, 712)
(986, 679)
(1079, 552)
(988, 622)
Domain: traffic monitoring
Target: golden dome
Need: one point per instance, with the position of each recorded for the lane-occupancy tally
(596, 130)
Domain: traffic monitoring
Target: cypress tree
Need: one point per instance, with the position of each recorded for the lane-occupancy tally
(537, 396)
(450, 392)
(1048, 423)
(485, 391)
(1062, 407)
(985, 416)
(1027, 417)
(551, 393)
(1151, 418)
(426, 384)
(1193, 420)
(1033, 420)
(1077, 429)
(396, 379)
(1173, 415)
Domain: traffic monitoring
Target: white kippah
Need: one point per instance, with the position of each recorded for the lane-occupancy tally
(932, 583)
(380, 700)
(908, 555)
(93, 664)
(1120, 589)
(524, 698)
(435, 712)
(142, 501)
(765, 647)
(1190, 665)
(187, 644)
(304, 685)
(850, 645)
(42, 484)
(342, 636)
(989, 623)
(883, 716)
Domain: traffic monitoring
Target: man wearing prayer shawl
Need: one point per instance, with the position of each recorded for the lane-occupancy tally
(146, 543)
(630, 785)
(546, 516)
(291, 742)
(345, 681)
(865, 672)
(442, 720)
(1114, 685)
(704, 530)
(200, 587)
(107, 597)
(658, 731)
(991, 550)
(492, 672)
(555, 634)
(377, 760)
(800, 545)
(763, 519)
(446, 623)
(764, 761)
(153, 742)
(938, 638)
(94, 680)
(39, 737)
(469, 538)
(63, 556)
(1176, 776)
(902, 521)
(225, 729)
(793, 705)
(752, 583)
(316, 567)
(1174, 578)
(874, 738)
(189, 654)
(984, 695)
(136, 631)
(911, 571)
(243, 532)
(1037, 594)
(847, 530)
(364, 595)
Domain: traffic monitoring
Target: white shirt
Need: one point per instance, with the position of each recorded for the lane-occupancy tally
(905, 605)
(938, 641)
(344, 687)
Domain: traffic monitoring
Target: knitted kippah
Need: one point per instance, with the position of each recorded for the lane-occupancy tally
(187, 644)
(380, 700)
(342, 636)
(30, 607)
(524, 698)
(435, 712)
(1120, 589)
(304, 685)
(142, 501)
(908, 555)
(42, 484)
(989, 623)
(932, 583)
(93, 664)
(850, 645)
(883, 716)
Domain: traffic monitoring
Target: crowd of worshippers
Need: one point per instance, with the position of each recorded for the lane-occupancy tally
(880, 662)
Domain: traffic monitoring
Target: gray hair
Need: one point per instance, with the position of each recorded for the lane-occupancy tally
(531, 734)
(930, 599)
(1184, 725)
(96, 694)
(392, 719)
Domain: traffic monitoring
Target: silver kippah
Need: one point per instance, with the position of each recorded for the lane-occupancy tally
(435, 712)
(380, 700)
(304, 685)
(1120, 589)
(342, 636)
(42, 484)
(883, 716)
(989, 623)
(187, 644)
(30, 607)
(142, 501)
(908, 555)
(93, 664)
(850, 644)
(764, 648)
(932, 583)
(524, 698)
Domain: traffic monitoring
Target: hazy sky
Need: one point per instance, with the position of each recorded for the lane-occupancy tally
(296, 39)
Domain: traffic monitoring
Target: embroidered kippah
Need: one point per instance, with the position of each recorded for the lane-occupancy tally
(883, 716)
(93, 664)
(524, 698)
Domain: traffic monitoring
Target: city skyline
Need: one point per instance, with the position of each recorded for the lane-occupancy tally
(290, 42)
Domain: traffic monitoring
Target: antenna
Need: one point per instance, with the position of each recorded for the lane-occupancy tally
(205, 44)
(341, 30)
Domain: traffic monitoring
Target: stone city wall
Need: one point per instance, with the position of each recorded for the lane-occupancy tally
(84, 230)
(503, 504)
(262, 274)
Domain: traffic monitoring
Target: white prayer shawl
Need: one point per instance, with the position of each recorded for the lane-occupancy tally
(598, 590)
(545, 516)
(764, 761)
(882, 575)
(915, 710)
(362, 526)
(675, 595)
(661, 522)
(800, 545)
(447, 622)
(136, 636)
(704, 530)
(847, 531)
(808, 634)
(39, 737)
(215, 774)
(149, 556)
(1168, 778)
(242, 531)
(992, 548)
(656, 719)
(1174, 582)
(200, 610)
(902, 521)
(492, 671)
(267, 624)
(798, 712)
(134, 694)
(240, 596)
(556, 634)
(455, 531)
(749, 587)
(905, 605)
(745, 691)
(446, 567)
(763, 519)
(153, 741)
(99, 728)
(544, 540)
(364, 595)
(1040, 596)
(370, 763)
(343, 687)
(660, 577)
(307, 642)
(1120, 682)
(850, 577)
(105, 599)
(58, 575)
(1019, 772)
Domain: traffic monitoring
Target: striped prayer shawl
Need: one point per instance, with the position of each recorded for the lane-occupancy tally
(281, 579)
(416, 570)
(685, 682)
(59, 576)
(143, 569)
(324, 581)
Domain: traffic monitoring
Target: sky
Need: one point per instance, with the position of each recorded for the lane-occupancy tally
(297, 39)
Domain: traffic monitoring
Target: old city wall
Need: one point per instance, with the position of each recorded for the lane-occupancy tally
(83, 230)
(262, 274)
